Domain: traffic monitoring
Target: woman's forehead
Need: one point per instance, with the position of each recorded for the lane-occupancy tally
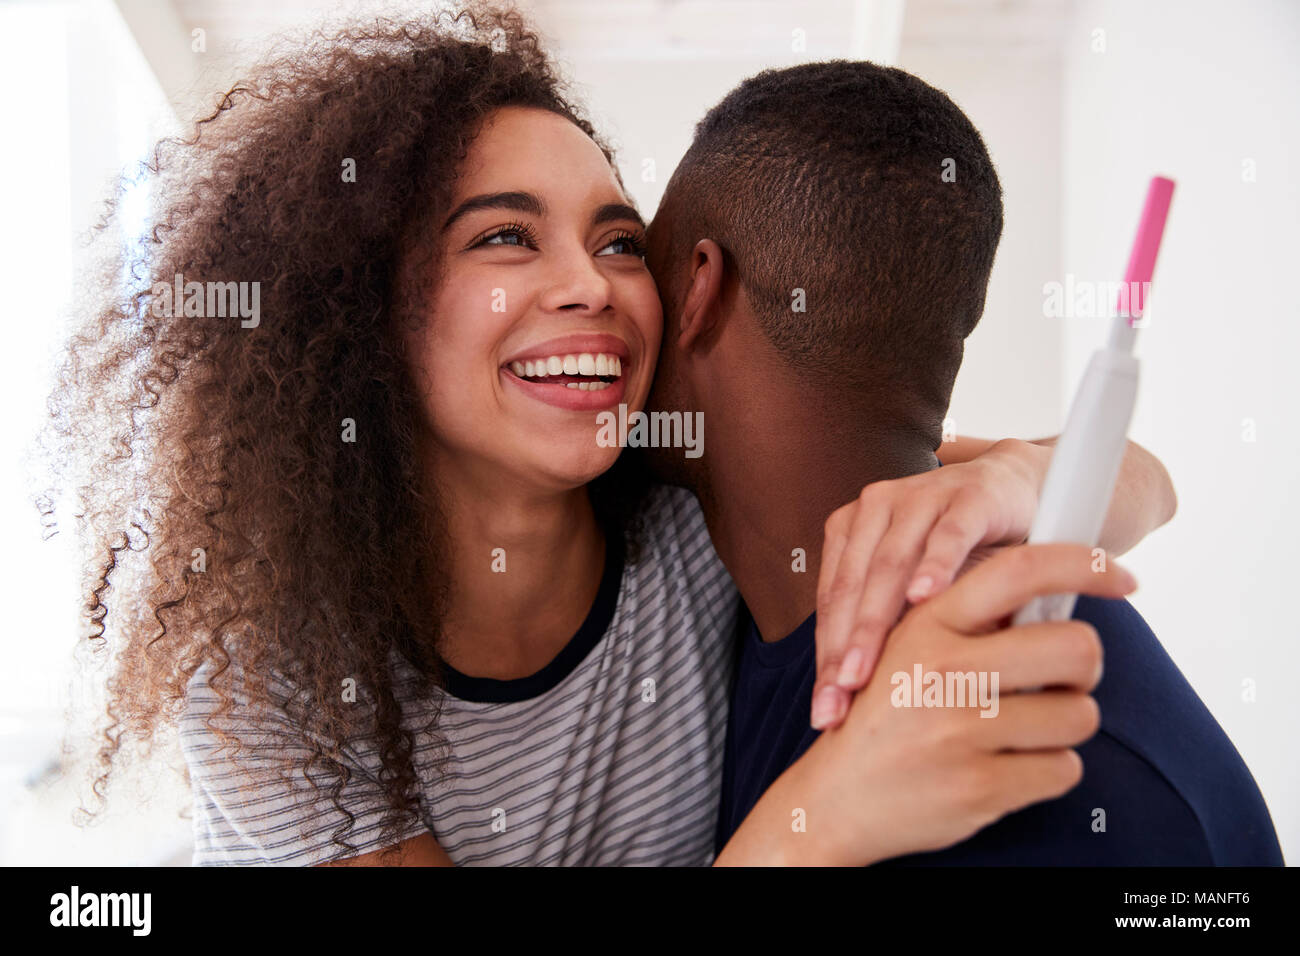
(535, 150)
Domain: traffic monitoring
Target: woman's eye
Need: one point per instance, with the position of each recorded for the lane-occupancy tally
(624, 245)
(512, 234)
(507, 238)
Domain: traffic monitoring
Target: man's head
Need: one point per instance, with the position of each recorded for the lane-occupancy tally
(853, 213)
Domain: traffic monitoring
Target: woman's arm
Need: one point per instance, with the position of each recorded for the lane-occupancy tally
(940, 522)
(1144, 496)
(422, 850)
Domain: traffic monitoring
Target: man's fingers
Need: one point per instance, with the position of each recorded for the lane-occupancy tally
(1008, 581)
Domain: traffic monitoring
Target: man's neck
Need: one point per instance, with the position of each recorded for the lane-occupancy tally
(766, 497)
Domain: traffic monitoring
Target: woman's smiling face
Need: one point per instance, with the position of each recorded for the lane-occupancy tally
(545, 314)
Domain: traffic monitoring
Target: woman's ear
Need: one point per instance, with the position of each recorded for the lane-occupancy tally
(701, 312)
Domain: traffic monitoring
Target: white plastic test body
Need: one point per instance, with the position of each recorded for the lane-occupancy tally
(1086, 460)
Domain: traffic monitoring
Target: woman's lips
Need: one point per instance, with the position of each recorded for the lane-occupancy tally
(558, 394)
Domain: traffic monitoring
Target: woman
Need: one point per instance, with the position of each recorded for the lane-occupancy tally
(396, 596)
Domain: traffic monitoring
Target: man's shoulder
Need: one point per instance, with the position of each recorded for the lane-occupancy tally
(1143, 695)
(1156, 728)
(1162, 784)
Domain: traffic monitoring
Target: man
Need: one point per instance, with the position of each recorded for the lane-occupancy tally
(822, 251)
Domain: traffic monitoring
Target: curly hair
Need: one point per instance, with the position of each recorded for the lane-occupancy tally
(254, 538)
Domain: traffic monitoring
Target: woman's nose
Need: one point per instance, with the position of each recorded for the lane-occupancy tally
(577, 286)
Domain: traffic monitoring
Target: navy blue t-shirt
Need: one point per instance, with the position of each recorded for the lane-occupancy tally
(1174, 789)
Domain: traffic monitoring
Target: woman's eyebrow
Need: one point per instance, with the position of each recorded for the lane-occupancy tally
(613, 211)
(529, 203)
(518, 201)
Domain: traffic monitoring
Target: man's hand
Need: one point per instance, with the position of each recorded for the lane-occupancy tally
(904, 540)
(900, 779)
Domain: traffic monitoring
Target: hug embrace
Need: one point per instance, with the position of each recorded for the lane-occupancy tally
(405, 603)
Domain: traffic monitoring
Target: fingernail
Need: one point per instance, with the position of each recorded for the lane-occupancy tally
(1127, 581)
(919, 588)
(823, 708)
(851, 671)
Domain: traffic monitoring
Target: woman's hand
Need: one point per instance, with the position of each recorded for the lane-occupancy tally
(903, 540)
(898, 779)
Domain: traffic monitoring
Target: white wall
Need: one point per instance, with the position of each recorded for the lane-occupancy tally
(1191, 90)
(1009, 384)
(648, 71)
(86, 107)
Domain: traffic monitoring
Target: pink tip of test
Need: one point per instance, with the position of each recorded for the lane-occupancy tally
(1142, 260)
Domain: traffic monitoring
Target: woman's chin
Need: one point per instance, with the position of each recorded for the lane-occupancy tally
(571, 467)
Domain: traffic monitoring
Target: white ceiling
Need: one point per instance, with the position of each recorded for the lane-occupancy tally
(237, 31)
(658, 28)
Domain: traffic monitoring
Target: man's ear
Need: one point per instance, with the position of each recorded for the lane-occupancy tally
(701, 310)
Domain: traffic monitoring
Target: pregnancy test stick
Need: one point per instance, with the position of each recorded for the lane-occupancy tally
(1085, 462)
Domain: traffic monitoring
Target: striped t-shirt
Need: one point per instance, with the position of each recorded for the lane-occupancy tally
(610, 755)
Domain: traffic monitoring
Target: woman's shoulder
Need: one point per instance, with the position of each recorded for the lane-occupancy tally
(678, 550)
(674, 532)
(673, 515)
(219, 697)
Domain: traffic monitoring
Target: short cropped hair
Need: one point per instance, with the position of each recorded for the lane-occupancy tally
(871, 192)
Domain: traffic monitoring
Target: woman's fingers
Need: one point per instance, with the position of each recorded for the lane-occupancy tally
(1023, 779)
(882, 597)
(852, 533)
(829, 703)
(1047, 654)
(1006, 582)
(834, 538)
(1044, 720)
(959, 530)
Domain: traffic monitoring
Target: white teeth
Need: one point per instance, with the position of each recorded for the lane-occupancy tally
(583, 363)
(587, 386)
